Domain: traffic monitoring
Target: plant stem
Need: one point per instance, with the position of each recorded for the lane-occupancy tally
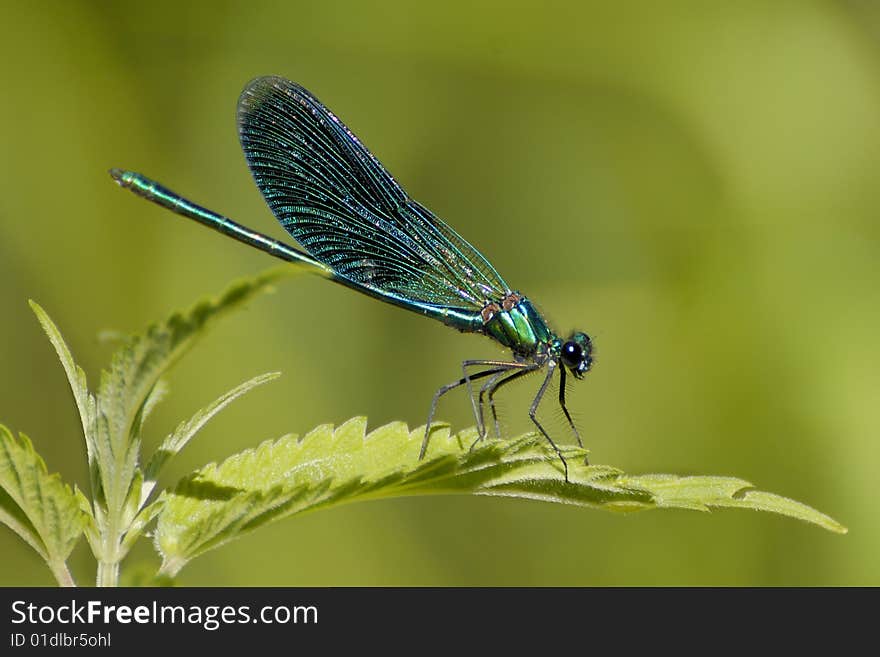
(108, 561)
(62, 574)
(108, 573)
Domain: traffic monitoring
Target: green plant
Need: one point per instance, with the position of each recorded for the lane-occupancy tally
(328, 466)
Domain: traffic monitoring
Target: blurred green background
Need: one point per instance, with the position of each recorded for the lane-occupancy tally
(694, 183)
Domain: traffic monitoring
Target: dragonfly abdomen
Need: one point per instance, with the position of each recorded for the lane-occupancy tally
(516, 324)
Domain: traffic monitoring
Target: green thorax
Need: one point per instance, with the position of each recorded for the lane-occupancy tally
(517, 325)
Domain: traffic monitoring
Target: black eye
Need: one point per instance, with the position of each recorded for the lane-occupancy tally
(571, 354)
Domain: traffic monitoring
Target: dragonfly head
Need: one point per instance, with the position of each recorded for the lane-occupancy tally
(576, 354)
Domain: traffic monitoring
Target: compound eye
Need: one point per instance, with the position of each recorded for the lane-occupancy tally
(572, 354)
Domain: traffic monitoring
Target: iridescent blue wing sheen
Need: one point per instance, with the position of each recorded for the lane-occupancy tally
(335, 198)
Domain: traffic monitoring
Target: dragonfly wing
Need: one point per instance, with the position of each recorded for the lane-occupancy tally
(338, 201)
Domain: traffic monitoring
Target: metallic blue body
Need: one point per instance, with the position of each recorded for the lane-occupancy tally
(522, 330)
(359, 228)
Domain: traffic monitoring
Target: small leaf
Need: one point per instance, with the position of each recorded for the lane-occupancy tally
(184, 432)
(157, 394)
(85, 403)
(91, 528)
(133, 500)
(129, 389)
(38, 506)
(140, 522)
(13, 517)
(220, 502)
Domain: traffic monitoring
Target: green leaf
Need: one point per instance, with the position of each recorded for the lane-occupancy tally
(85, 402)
(112, 422)
(37, 506)
(157, 394)
(184, 432)
(220, 502)
(91, 528)
(128, 390)
(133, 499)
(138, 513)
(139, 524)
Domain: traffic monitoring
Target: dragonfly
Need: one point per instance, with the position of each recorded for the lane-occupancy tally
(359, 228)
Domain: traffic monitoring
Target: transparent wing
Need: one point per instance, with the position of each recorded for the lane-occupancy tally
(345, 209)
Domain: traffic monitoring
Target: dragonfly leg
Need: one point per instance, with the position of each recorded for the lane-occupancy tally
(492, 386)
(533, 415)
(565, 410)
(499, 366)
(496, 366)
